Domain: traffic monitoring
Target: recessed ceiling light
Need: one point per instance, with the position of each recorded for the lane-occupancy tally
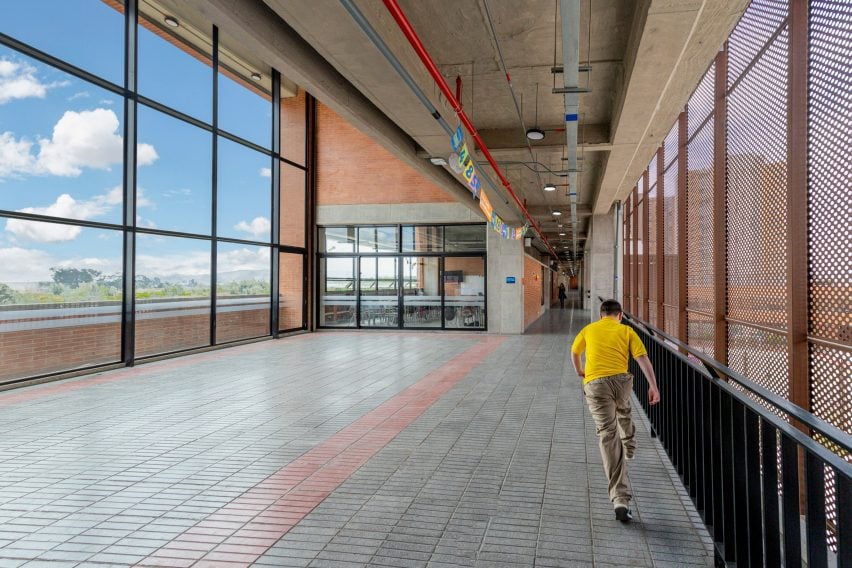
(438, 161)
(557, 212)
(549, 187)
(171, 21)
(561, 234)
(256, 76)
(535, 134)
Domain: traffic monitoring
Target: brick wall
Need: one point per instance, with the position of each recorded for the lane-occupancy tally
(352, 169)
(33, 352)
(290, 291)
(41, 351)
(532, 290)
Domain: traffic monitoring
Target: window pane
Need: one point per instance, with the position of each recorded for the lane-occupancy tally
(463, 238)
(291, 291)
(242, 292)
(422, 239)
(337, 300)
(244, 192)
(179, 180)
(292, 206)
(337, 239)
(245, 105)
(421, 291)
(172, 294)
(171, 70)
(464, 290)
(293, 127)
(60, 298)
(61, 140)
(377, 239)
(378, 292)
(49, 26)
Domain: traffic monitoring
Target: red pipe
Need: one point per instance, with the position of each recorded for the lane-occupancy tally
(415, 42)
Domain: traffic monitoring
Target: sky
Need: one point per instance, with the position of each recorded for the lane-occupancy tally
(61, 151)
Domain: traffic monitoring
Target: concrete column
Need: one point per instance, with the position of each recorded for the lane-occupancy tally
(505, 301)
(600, 261)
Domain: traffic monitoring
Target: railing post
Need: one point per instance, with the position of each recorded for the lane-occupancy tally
(720, 218)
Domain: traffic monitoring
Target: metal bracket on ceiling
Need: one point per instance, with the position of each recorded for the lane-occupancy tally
(559, 69)
(570, 90)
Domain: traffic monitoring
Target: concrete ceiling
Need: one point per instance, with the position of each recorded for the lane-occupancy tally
(646, 58)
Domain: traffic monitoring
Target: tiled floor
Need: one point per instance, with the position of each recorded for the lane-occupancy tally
(332, 449)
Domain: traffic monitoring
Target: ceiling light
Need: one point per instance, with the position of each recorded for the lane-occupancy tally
(557, 212)
(561, 234)
(256, 76)
(549, 187)
(535, 134)
(171, 21)
(438, 161)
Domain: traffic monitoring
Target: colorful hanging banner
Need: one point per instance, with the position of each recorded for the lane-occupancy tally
(468, 171)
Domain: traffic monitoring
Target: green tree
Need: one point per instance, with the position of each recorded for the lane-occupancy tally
(7, 295)
(74, 277)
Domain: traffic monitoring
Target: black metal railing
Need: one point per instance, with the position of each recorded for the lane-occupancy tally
(772, 482)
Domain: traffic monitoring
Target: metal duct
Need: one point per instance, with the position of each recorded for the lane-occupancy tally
(570, 12)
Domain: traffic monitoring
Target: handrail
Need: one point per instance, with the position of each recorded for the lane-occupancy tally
(817, 424)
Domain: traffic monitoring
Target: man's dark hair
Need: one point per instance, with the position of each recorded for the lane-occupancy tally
(610, 308)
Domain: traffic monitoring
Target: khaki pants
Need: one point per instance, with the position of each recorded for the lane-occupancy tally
(608, 399)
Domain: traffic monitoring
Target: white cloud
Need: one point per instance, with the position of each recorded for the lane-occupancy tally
(42, 232)
(24, 265)
(266, 172)
(68, 207)
(19, 81)
(80, 95)
(15, 156)
(86, 139)
(106, 102)
(243, 259)
(181, 192)
(258, 228)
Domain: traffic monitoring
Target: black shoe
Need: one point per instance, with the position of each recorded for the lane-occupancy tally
(623, 514)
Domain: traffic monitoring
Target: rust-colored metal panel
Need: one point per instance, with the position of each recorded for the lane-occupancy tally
(654, 221)
(626, 263)
(661, 240)
(643, 228)
(720, 218)
(635, 222)
(682, 167)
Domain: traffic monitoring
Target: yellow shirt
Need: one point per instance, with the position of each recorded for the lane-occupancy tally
(607, 344)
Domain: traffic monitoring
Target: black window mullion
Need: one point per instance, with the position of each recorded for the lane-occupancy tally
(214, 189)
(275, 205)
(128, 319)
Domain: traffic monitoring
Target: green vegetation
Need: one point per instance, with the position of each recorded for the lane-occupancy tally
(71, 285)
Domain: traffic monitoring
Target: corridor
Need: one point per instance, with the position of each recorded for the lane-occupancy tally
(335, 449)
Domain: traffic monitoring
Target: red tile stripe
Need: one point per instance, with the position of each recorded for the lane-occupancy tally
(240, 532)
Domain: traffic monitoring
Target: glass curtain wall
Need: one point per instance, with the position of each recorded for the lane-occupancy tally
(409, 276)
(195, 238)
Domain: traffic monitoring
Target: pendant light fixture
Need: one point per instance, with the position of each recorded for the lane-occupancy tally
(535, 133)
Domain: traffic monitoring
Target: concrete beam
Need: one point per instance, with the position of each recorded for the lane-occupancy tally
(670, 47)
(263, 33)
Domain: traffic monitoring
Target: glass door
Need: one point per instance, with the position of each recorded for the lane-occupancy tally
(378, 292)
(464, 292)
(421, 291)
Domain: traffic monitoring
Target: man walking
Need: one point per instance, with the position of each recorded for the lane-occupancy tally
(608, 344)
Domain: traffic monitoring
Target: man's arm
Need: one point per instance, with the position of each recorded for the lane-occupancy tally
(578, 364)
(648, 370)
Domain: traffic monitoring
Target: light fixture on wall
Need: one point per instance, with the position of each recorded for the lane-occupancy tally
(438, 161)
(171, 21)
(549, 187)
(256, 76)
(535, 133)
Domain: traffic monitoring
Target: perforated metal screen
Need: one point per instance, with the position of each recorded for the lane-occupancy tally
(671, 250)
(652, 249)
